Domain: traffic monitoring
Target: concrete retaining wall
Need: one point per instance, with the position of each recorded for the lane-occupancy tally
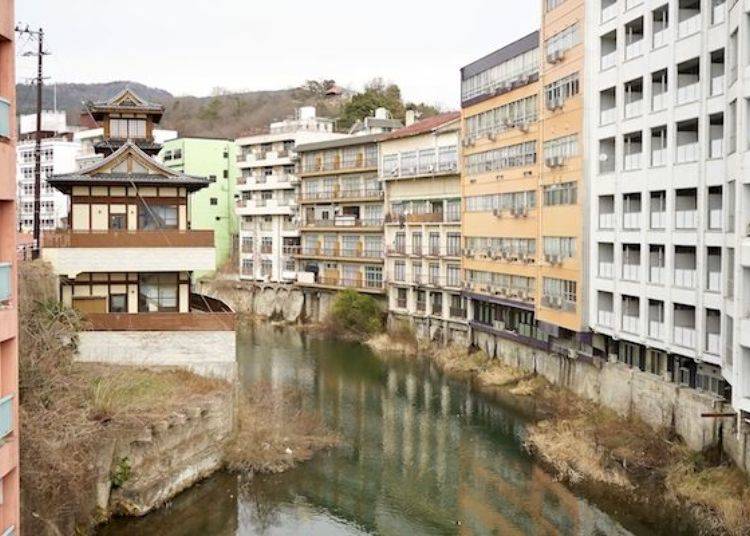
(278, 302)
(627, 391)
(163, 459)
(208, 353)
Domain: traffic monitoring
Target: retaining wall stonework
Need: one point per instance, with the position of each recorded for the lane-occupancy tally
(627, 391)
(163, 459)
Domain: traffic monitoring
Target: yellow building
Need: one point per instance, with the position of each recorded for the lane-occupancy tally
(522, 171)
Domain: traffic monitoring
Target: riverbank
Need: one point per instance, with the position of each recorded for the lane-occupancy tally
(102, 440)
(585, 444)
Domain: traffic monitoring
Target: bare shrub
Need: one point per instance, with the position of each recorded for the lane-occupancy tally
(273, 433)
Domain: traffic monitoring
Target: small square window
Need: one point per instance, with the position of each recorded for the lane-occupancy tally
(226, 174)
(214, 201)
(118, 222)
(212, 178)
(118, 303)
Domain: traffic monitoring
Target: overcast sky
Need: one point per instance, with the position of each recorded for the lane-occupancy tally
(189, 47)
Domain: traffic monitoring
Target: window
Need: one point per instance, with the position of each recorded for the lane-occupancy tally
(561, 90)
(453, 243)
(561, 194)
(118, 222)
(151, 217)
(123, 129)
(399, 271)
(559, 293)
(503, 118)
(562, 41)
(373, 276)
(266, 244)
(118, 303)
(214, 201)
(552, 4)
(521, 154)
(225, 174)
(212, 178)
(454, 275)
(520, 67)
(167, 155)
(157, 293)
(560, 246)
(563, 147)
(507, 201)
(4, 118)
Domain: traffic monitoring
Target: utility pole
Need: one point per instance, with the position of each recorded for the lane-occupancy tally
(39, 34)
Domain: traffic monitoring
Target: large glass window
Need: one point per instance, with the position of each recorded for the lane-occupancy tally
(152, 217)
(157, 293)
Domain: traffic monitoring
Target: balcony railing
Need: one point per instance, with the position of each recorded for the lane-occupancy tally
(658, 157)
(609, 60)
(606, 318)
(345, 221)
(355, 193)
(630, 323)
(656, 275)
(659, 101)
(6, 415)
(656, 329)
(717, 85)
(631, 272)
(688, 93)
(160, 238)
(6, 289)
(685, 219)
(609, 12)
(684, 336)
(713, 341)
(360, 161)
(336, 251)
(632, 161)
(355, 283)
(689, 26)
(634, 49)
(684, 278)
(194, 321)
(633, 108)
(608, 116)
(606, 270)
(457, 312)
(607, 221)
(660, 38)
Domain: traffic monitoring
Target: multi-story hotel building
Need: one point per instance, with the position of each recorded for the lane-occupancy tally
(341, 211)
(127, 260)
(522, 222)
(58, 153)
(267, 190)
(668, 126)
(419, 168)
(9, 475)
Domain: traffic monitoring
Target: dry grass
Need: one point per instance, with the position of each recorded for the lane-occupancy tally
(273, 434)
(69, 410)
(721, 494)
(529, 386)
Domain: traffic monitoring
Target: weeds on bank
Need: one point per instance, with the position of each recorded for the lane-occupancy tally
(68, 410)
(273, 432)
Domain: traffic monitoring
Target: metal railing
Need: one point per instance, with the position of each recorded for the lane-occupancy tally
(355, 283)
(345, 222)
(353, 193)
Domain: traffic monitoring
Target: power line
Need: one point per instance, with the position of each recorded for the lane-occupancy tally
(40, 53)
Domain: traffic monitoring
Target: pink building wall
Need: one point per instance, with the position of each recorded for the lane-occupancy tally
(9, 486)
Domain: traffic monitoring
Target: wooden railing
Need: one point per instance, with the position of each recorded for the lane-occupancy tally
(195, 321)
(163, 238)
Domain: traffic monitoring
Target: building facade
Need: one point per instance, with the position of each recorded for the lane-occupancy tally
(341, 213)
(58, 156)
(422, 231)
(212, 208)
(668, 122)
(9, 473)
(267, 189)
(127, 261)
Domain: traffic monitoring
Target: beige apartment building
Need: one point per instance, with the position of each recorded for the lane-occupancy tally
(341, 213)
(420, 172)
(522, 219)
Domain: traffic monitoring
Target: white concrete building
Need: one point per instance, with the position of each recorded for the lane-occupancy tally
(668, 140)
(58, 156)
(267, 187)
(420, 172)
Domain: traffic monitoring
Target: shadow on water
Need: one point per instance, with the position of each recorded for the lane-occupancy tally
(425, 455)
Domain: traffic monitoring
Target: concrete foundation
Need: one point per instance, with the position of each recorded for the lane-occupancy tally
(208, 353)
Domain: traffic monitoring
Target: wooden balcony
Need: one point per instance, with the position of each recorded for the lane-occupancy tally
(193, 321)
(163, 238)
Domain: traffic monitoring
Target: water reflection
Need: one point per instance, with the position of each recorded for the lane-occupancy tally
(424, 455)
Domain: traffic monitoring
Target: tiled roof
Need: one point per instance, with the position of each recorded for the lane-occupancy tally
(69, 179)
(425, 125)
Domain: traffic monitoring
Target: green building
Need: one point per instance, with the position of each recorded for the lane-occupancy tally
(212, 207)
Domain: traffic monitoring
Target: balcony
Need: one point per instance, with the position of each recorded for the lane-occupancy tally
(630, 323)
(606, 270)
(631, 272)
(365, 194)
(684, 278)
(609, 12)
(607, 220)
(344, 223)
(457, 312)
(632, 161)
(608, 116)
(605, 318)
(689, 93)
(633, 108)
(369, 255)
(689, 26)
(6, 416)
(656, 329)
(160, 238)
(686, 219)
(713, 342)
(359, 162)
(660, 37)
(687, 152)
(609, 60)
(634, 49)
(684, 336)
(166, 250)
(6, 287)
(193, 321)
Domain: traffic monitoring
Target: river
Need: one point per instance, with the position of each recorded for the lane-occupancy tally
(424, 454)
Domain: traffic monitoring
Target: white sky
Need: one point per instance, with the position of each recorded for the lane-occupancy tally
(189, 47)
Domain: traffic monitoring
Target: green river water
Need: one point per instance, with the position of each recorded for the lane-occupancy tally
(424, 454)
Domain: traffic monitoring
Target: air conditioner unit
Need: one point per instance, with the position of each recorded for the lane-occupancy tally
(497, 212)
(552, 57)
(491, 136)
(550, 161)
(508, 122)
(523, 127)
(525, 79)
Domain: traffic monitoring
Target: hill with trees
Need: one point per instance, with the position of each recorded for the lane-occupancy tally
(233, 114)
